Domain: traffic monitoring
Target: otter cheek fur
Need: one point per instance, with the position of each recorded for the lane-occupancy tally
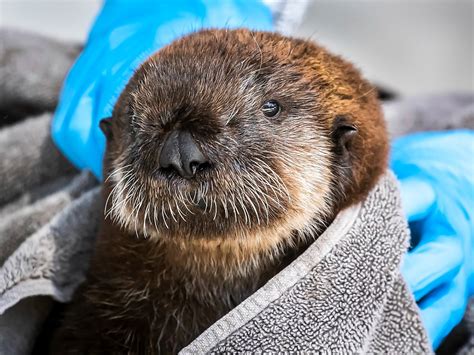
(227, 154)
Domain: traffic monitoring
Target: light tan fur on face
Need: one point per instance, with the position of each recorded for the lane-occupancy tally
(305, 184)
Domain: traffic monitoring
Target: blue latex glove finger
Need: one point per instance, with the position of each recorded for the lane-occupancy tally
(422, 275)
(419, 207)
(439, 253)
(444, 308)
(125, 33)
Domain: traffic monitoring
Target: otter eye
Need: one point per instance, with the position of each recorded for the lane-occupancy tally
(271, 108)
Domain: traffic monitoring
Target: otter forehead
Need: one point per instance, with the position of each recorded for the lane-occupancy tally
(222, 76)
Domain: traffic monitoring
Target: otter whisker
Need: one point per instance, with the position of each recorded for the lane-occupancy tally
(277, 183)
(116, 171)
(135, 213)
(215, 210)
(254, 208)
(117, 198)
(155, 217)
(224, 205)
(244, 209)
(130, 199)
(180, 213)
(186, 201)
(164, 215)
(147, 210)
(115, 188)
(273, 175)
(262, 202)
(234, 207)
(171, 212)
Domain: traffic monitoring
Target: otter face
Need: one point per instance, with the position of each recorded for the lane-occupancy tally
(227, 134)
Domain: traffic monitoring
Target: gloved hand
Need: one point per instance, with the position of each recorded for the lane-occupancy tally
(436, 171)
(124, 34)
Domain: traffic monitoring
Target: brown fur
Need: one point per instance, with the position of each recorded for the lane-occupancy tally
(166, 267)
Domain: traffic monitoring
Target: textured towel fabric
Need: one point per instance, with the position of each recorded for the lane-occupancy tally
(344, 294)
(17, 225)
(28, 158)
(53, 261)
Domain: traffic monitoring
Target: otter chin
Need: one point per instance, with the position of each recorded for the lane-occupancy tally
(228, 153)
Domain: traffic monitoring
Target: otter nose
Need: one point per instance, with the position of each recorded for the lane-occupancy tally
(181, 154)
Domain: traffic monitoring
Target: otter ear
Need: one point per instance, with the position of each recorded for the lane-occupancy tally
(342, 134)
(105, 125)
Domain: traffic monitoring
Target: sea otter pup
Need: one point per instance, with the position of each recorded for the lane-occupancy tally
(228, 152)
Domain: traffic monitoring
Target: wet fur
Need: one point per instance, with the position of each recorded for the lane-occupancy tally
(172, 256)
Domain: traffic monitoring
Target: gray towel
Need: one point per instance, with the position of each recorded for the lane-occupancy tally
(32, 68)
(344, 294)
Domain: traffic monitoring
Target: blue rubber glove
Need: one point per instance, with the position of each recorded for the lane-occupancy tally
(124, 34)
(436, 171)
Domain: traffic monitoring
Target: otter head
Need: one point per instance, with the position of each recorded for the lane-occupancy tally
(240, 135)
